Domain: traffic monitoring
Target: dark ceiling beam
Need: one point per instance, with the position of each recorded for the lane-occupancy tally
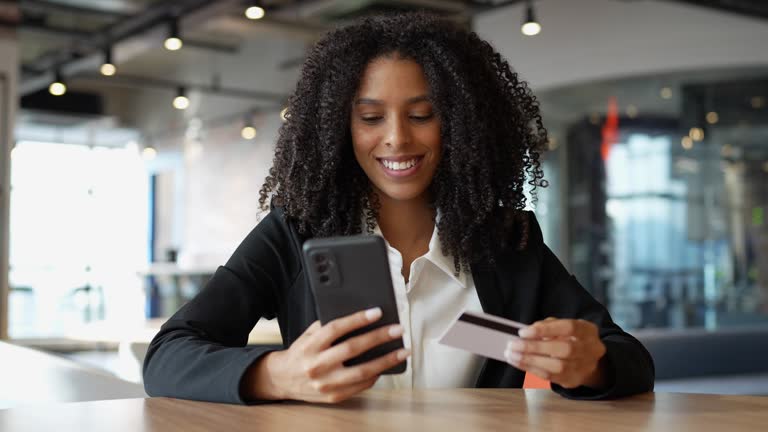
(90, 45)
(752, 8)
(140, 82)
(479, 6)
(136, 33)
(42, 5)
(121, 29)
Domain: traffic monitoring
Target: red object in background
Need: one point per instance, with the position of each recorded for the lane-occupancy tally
(610, 129)
(534, 382)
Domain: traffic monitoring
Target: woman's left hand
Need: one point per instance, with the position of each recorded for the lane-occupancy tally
(565, 351)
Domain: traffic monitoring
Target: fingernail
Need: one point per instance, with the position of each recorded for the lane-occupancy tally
(527, 332)
(396, 330)
(373, 314)
(515, 345)
(512, 357)
(403, 354)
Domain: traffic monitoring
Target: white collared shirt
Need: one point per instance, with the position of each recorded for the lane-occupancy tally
(427, 304)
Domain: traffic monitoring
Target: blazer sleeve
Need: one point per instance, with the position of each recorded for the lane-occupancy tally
(200, 353)
(630, 366)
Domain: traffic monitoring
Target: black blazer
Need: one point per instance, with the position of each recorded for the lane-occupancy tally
(201, 352)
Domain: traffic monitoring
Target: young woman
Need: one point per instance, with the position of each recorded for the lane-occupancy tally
(411, 127)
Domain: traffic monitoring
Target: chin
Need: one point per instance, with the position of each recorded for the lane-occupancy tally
(400, 193)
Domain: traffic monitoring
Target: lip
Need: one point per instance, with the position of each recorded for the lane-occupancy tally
(400, 173)
(400, 158)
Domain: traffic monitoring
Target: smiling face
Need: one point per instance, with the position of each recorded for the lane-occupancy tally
(395, 129)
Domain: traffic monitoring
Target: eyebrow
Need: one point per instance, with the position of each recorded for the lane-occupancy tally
(413, 100)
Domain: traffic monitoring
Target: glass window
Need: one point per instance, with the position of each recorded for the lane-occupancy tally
(78, 236)
(665, 190)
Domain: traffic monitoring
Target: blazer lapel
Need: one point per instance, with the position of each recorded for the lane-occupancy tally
(488, 290)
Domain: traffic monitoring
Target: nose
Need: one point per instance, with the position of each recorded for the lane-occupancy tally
(398, 134)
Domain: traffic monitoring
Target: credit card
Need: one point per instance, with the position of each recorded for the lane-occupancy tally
(481, 333)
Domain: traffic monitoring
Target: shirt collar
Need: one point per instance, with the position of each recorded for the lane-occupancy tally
(444, 262)
(436, 257)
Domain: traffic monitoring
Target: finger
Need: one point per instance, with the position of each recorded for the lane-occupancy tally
(527, 367)
(353, 347)
(337, 328)
(315, 326)
(304, 338)
(556, 328)
(347, 376)
(559, 348)
(349, 391)
(550, 365)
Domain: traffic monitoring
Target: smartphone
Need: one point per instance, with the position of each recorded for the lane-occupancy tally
(350, 274)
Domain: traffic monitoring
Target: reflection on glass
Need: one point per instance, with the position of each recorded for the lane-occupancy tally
(668, 226)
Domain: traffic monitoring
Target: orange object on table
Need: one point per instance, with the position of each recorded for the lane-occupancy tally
(534, 382)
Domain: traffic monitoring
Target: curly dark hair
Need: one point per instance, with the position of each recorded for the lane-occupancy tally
(492, 137)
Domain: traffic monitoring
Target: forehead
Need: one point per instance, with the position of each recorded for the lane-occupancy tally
(388, 77)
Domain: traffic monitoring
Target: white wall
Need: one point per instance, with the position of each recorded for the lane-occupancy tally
(217, 180)
(211, 176)
(586, 40)
(224, 175)
(8, 82)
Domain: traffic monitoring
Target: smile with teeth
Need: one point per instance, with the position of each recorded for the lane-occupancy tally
(399, 166)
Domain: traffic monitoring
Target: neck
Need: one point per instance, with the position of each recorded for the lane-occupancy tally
(406, 225)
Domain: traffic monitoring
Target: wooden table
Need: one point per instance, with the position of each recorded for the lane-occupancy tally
(403, 410)
(29, 376)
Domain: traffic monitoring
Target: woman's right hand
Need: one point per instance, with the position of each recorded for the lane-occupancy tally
(312, 368)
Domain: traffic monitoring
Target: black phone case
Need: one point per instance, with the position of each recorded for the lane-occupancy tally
(348, 275)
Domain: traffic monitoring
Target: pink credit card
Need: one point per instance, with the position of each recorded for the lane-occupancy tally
(482, 334)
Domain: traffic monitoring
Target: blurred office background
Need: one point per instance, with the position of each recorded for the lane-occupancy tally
(136, 134)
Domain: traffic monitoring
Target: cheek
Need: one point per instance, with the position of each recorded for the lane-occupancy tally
(431, 138)
(363, 144)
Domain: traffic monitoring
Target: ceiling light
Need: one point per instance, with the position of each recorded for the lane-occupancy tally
(181, 101)
(108, 68)
(530, 26)
(173, 42)
(631, 111)
(148, 153)
(255, 12)
(712, 117)
(552, 143)
(132, 146)
(57, 87)
(696, 134)
(687, 142)
(665, 93)
(248, 132)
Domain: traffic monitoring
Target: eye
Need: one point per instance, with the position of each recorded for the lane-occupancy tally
(371, 119)
(422, 119)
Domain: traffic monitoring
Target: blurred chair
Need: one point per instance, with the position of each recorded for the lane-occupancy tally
(727, 361)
